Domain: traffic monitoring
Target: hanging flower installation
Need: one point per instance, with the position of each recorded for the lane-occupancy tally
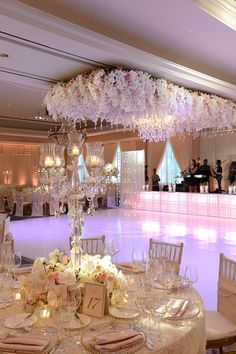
(156, 108)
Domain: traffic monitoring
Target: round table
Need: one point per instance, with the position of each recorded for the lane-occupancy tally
(180, 337)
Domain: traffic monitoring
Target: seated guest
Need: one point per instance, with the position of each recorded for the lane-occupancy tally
(192, 170)
(155, 180)
(205, 170)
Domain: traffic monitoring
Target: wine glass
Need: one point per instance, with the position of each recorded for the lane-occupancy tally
(112, 247)
(17, 260)
(139, 258)
(191, 273)
(155, 308)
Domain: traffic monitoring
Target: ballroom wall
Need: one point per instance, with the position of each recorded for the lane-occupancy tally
(22, 160)
(221, 147)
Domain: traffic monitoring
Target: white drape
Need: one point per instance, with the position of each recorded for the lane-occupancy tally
(183, 150)
(132, 177)
(109, 152)
(155, 153)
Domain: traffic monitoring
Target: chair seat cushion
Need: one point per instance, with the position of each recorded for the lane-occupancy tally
(218, 326)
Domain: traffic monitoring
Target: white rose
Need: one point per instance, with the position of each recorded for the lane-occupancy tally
(67, 277)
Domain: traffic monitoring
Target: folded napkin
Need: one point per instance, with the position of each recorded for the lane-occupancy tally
(24, 345)
(176, 307)
(23, 270)
(17, 320)
(117, 341)
(128, 268)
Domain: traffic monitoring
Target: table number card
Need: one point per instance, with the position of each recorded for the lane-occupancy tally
(95, 298)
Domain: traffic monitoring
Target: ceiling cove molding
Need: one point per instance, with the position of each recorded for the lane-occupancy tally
(182, 75)
(223, 10)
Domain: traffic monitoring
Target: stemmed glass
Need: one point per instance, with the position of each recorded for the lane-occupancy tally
(156, 307)
(139, 258)
(113, 247)
(191, 273)
(17, 260)
(64, 314)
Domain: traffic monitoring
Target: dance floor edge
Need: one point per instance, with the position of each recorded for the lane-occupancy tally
(204, 238)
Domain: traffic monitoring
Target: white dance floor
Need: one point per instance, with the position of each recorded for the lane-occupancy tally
(204, 238)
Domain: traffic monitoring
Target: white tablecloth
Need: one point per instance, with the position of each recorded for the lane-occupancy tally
(180, 337)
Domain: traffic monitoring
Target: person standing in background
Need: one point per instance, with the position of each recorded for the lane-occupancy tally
(192, 170)
(218, 175)
(205, 170)
(155, 180)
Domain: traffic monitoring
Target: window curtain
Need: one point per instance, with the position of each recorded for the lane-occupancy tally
(132, 178)
(155, 153)
(128, 145)
(109, 152)
(183, 150)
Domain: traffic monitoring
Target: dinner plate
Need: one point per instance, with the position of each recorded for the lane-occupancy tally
(124, 312)
(20, 320)
(90, 335)
(191, 311)
(179, 284)
(79, 322)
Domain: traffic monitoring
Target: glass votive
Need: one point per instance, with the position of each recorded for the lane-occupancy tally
(45, 312)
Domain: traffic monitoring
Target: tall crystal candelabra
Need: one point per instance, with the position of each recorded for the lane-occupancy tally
(62, 182)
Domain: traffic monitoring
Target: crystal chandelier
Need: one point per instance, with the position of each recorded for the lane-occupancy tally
(62, 182)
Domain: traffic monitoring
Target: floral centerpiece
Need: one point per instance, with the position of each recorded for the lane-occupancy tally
(156, 108)
(110, 170)
(50, 278)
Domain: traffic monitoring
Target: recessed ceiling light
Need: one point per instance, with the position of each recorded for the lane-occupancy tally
(4, 55)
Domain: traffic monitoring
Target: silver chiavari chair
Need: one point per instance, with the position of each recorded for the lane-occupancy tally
(221, 324)
(92, 245)
(171, 252)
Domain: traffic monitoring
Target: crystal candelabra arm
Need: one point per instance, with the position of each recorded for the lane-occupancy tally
(76, 223)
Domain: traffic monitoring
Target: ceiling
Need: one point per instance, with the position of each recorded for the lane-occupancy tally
(53, 40)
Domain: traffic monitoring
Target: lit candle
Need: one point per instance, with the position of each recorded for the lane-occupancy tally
(57, 161)
(230, 190)
(206, 189)
(45, 313)
(75, 151)
(18, 296)
(201, 189)
(94, 161)
(48, 161)
(147, 187)
(144, 187)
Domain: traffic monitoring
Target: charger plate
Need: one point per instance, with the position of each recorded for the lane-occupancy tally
(124, 312)
(191, 311)
(179, 284)
(90, 334)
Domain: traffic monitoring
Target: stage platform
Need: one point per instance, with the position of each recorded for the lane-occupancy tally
(215, 205)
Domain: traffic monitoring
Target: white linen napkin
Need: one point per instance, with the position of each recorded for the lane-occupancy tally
(24, 345)
(117, 341)
(176, 307)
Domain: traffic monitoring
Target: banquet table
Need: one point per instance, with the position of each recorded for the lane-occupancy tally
(180, 337)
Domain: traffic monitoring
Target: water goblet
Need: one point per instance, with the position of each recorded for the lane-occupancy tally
(191, 273)
(16, 260)
(139, 258)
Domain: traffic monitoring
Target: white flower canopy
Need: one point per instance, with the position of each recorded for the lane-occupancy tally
(157, 109)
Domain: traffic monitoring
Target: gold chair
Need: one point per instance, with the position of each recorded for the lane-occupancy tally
(171, 252)
(92, 245)
(221, 324)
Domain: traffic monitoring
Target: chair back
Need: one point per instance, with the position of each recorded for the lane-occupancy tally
(92, 245)
(171, 252)
(6, 226)
(2, 218)
(7, 251)
(226, 303)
